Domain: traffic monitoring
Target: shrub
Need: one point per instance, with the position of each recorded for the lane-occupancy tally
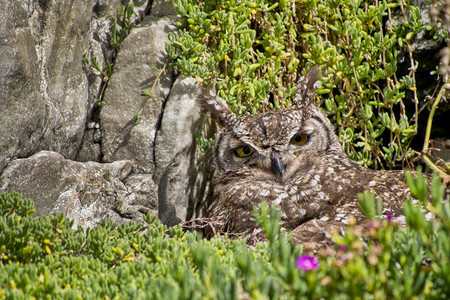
(253, 52)
(43, 257)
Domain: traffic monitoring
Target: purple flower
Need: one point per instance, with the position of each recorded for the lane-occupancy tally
(389, 216)
(307, 262)
(342, 248)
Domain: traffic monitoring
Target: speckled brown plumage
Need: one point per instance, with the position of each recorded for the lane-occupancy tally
(297, 165)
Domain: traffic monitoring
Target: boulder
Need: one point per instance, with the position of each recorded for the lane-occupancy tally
(91, 162)
(161, 8)
(23, 105)
(182, 172)
(85, 192)
(135, 70)
(46, 95)
(45, 103)
(99, 47)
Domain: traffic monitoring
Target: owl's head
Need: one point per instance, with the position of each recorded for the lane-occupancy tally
(272, 145)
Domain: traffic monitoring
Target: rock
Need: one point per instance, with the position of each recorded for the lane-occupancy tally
(100, 35)
(22, 106)
(182, 172)
(46, 95)
(85, 192)
(49, 103)
(143, 194)
(90, 149)
(141, 9)
(59, 46)
(141, 52)
(161, 8)
(440, 149)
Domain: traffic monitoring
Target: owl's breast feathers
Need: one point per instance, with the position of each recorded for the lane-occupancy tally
(327, 192)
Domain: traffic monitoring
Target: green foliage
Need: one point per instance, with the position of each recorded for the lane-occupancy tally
(105, 72)
(248, 49)
(367, 201)
(43, 257)
(203, 143)
(120, 33)
(360, 55)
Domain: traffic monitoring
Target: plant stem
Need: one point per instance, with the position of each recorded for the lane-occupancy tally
(426, 143)
(430, 118)
(433, 166)
(153, 88)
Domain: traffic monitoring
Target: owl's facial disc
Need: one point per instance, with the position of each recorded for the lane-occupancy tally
(263, 143)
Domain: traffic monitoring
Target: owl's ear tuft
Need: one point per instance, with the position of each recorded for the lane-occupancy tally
(306, 87)
(218, 108)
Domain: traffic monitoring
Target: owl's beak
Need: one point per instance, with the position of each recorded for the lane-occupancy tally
(278, 165)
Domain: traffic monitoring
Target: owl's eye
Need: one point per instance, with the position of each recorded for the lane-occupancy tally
(244, 151)
(299, 139)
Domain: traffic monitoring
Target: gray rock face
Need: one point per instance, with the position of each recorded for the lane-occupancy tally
(85, 192)
(44, 82)
(90, 149)
(161, 8)
(49, 102)
(60, 149)
(21, 94)
(140, 54)
(182, 171)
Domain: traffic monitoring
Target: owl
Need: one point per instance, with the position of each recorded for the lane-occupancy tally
(292, 159)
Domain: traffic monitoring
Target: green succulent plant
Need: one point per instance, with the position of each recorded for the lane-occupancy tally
(46, 257)
(253, 51)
